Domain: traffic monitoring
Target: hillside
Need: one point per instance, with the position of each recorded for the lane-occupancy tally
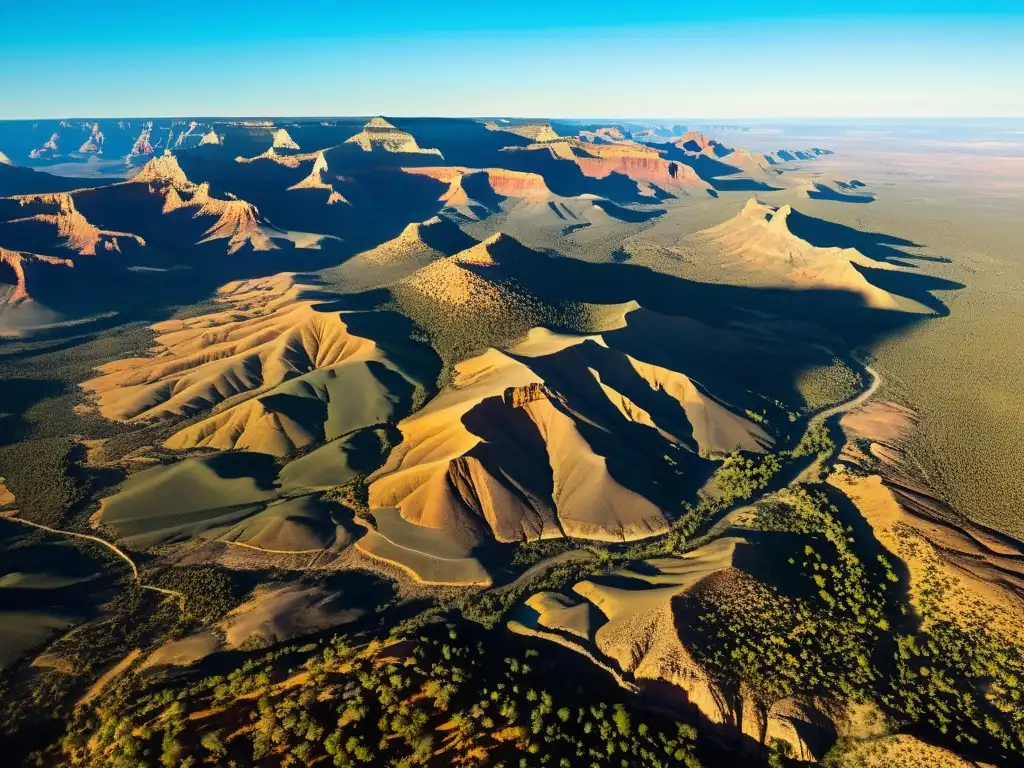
(760, 235)
(500, 441)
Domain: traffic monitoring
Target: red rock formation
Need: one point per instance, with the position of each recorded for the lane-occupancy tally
(517, 184)
(16, 260)
(504, 182)
(641, 163)
(641, 167)
(78, 233)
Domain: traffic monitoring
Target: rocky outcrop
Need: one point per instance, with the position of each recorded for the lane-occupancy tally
(288, 161)
(643, 164)
(532, 131)
(93, 144)
(791, 155)
(77, 232)
(379, 134)
(760, 235)
(607, 134)
(49, 149)
(515, 184)
(5, 160)
(17, 261)
(183, 135)
(315, 180)
(210, 137)
(697, 143)
(237, 221)
(163, 170)
(283, 141)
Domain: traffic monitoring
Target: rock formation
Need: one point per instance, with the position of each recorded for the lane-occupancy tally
(760, 235)
(289, 161)
(237, 221)
(643, 164)
(77, 232)
(93, 144)
(283, 141)
(141, 146)
(379, 134)
(534, 131)
(315, 180)
(49, 149)
(16, 261)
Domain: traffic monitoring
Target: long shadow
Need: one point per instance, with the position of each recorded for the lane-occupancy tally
(556, 279)
(741, 185)
(461, 141)
(712, 170)
(15, 180)
(567, 179)
(913, 286)
(628, 214)
(868, 548)
(175, 269)
(17, 396)
(825, 192)
(875, 245)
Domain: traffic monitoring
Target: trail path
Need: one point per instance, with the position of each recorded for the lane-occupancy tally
(112, 547)
(860, 399)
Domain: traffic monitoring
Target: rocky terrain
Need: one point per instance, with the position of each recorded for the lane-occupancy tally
(415, 441)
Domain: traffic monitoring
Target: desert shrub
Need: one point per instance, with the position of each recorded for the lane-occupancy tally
(447, 695)
(44, 477)
(355, 494)
(210, 591)
(829, 384)
(816, 440)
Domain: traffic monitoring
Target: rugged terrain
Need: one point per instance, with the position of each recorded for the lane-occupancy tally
(457, 442)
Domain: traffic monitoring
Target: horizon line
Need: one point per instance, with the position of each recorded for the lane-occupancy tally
(256, 116)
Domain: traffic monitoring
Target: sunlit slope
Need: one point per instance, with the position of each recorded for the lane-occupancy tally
(521, 444)
(760, 235)
(277, 368)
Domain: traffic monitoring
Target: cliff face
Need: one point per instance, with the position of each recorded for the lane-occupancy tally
(77, 232)
(641, 168)
(517, 184)
(237, 220)
(642, 164)
(379, 134)
(17, 261)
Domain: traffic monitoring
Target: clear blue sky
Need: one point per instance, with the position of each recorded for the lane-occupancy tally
(560, 59)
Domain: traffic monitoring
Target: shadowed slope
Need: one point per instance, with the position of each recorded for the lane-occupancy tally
(522, 440)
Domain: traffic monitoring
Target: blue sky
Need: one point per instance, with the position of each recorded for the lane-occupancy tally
(580, 59)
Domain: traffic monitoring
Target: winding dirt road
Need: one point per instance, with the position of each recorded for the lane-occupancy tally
(112, 547)
(860, 399)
